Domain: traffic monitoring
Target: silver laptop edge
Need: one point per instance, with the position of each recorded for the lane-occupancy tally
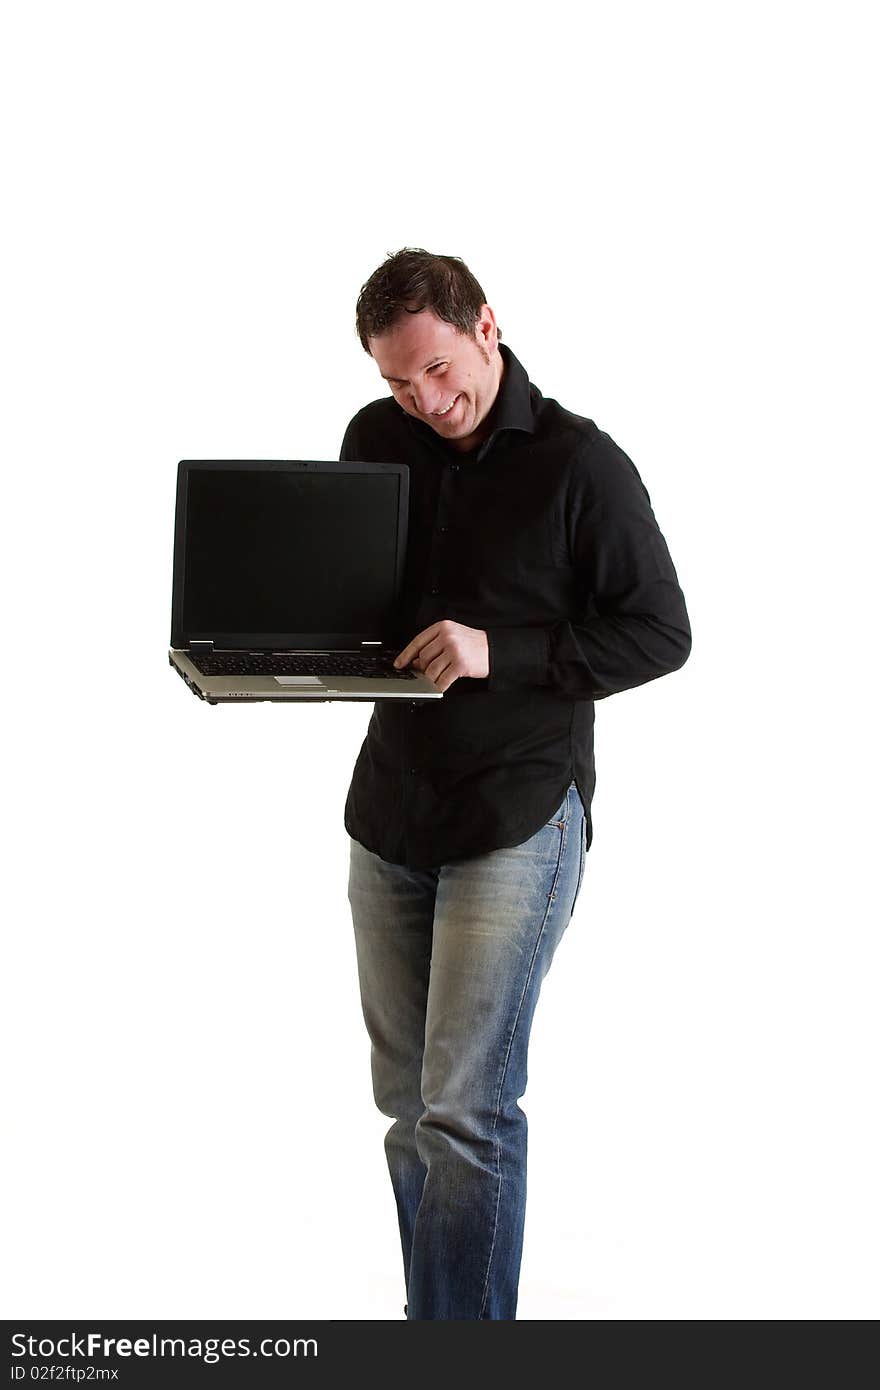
(237, 689)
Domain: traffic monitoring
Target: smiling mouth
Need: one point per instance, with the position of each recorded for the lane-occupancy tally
(441, 414)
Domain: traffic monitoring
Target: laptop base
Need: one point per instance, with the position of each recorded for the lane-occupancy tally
(240, 690)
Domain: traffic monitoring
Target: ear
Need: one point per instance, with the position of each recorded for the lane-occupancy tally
(486, 327)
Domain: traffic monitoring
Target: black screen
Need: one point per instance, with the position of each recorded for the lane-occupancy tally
(289, 552)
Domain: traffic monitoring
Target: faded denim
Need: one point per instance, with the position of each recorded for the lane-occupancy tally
(450, 964)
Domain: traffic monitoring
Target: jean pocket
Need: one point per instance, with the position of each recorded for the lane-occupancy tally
(560, 815)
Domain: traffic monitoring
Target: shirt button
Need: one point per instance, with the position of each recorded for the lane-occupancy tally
(414, 769)
(444, 528)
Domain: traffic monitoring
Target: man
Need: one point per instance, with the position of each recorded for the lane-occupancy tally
(536, 582)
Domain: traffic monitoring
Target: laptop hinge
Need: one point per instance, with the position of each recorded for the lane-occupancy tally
(201, 646)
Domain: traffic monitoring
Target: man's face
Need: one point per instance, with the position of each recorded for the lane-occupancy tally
(429, 365)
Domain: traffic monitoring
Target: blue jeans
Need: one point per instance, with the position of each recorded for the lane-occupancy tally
(450, 964)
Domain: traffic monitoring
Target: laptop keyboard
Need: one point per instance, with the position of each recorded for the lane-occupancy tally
(325, 664)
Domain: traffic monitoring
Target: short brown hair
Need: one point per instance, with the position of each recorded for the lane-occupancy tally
(411, 280)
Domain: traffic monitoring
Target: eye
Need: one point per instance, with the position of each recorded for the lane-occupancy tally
(436, 367)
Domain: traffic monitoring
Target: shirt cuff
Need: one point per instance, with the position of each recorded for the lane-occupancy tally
(517, 656)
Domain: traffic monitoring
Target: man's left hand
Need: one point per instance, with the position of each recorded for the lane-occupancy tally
(446, 650)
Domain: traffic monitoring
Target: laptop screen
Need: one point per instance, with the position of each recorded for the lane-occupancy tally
(278, 552)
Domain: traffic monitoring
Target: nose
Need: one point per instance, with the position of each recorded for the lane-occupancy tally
(427, 405)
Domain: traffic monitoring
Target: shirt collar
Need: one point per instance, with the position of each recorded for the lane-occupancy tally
(512, 409)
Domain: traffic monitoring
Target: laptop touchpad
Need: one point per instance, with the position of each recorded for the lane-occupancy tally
(299, 680)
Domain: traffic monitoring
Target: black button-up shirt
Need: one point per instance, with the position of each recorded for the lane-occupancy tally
(544, 537)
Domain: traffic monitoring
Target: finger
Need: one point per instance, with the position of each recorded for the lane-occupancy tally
(423, 648)
(431, 651)
(446, 680)
(413, 647)
(439, 670)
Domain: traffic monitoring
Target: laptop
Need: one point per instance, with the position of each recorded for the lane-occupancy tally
(287, 581)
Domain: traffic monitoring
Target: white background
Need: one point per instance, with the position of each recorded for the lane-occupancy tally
(670, 209)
